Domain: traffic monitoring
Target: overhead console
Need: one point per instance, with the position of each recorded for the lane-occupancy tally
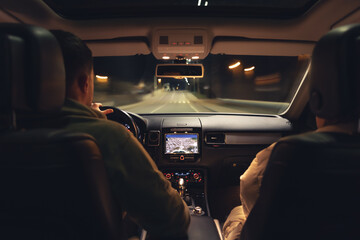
(168, 44)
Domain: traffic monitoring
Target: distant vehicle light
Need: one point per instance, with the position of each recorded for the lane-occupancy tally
(234, 65)
(249, 69)
(195, 57)
(166, 57)
(159, 80)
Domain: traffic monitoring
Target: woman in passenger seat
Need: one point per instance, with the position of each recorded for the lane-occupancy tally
(339, 122)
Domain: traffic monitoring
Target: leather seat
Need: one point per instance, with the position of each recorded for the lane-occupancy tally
(53, 183)
(310, 188)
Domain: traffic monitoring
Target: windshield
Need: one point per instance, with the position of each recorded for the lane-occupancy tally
(231, 84)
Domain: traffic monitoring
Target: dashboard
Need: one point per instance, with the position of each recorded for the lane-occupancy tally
(224, 144)
(208, 152)
(219, 143)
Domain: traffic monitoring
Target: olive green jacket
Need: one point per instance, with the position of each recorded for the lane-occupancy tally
(136, 182)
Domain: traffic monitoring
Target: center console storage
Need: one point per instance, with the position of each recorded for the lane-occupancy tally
(201, 228)
(204, 227)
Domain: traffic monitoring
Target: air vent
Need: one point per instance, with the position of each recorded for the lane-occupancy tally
(215, 138)
(154, 138)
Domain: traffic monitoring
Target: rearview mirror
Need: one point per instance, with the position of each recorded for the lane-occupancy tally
(180, 70)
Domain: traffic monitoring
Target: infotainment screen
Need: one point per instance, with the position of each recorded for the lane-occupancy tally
(181, 143)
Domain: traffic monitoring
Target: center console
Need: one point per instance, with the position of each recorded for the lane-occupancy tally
(177, 150)
(191, 186)
(181, 146)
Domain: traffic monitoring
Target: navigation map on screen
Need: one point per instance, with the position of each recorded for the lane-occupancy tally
(181, 144)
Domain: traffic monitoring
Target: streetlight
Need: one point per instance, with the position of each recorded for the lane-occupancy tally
(234, 65)
(249, 69)
(102, 79)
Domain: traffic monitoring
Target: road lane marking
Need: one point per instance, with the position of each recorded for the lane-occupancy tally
(156, 109)
(193, 108)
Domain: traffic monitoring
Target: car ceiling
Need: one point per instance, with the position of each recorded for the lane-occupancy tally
(230, 33)
(94, 9)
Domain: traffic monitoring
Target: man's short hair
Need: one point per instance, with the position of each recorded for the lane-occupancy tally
(77, 56)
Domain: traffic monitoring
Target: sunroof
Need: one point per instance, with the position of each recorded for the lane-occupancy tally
(95, 9)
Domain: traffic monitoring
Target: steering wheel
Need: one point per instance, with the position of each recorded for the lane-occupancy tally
(123, 118)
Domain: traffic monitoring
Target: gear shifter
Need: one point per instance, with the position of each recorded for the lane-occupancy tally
(183, 193)
(182, 187)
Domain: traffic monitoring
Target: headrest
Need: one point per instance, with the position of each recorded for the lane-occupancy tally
(32, 69)
(334, 76)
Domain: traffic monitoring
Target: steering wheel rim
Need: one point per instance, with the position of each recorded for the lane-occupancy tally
(121, 116)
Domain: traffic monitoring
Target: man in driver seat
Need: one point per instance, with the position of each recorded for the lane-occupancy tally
(141, 189)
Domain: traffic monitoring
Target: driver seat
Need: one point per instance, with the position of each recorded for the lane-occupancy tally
(310, 189)
(53, 182)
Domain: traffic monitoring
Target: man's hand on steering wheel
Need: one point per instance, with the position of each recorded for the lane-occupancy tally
(96, 106)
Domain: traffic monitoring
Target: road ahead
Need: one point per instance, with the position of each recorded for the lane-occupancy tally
(186, 102)
(168, 102)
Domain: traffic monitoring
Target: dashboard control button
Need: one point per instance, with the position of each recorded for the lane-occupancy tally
(182, 158)
(196, 176)
(168, 176)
